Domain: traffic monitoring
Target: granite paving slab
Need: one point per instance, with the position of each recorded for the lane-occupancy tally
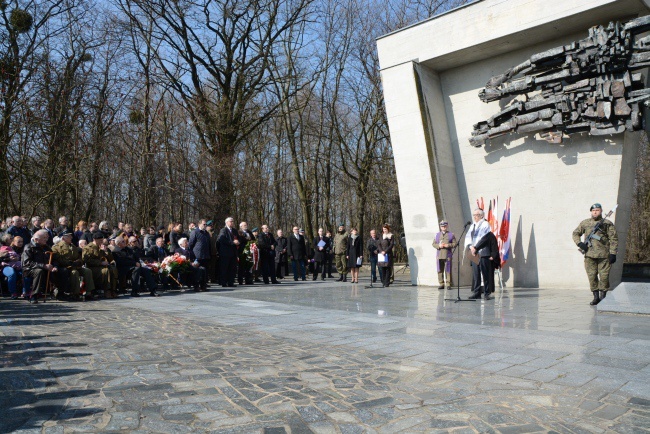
(311, 357)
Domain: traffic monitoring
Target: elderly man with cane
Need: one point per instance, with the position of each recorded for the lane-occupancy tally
(37, 265)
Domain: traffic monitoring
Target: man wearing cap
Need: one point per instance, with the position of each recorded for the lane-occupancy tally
(601, 254)
(68, 256)
(444, 242)
(99, 259)
(340, 252)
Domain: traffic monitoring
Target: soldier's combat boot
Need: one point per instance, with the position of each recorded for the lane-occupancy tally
(603, 294)
(345, 278)
(596, 299)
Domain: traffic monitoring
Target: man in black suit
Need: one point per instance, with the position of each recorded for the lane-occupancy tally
(244, 275)
(322, 247)
(297, 251)
(266, 245)
(228, 242)
(488, 249)
(281, 255)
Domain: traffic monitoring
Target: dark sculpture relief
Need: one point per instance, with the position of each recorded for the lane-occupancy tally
(586, 86)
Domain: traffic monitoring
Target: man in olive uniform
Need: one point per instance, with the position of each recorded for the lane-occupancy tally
(444, 242)
(99, 259)
(69, 256)
(340, 252)
(600, 254)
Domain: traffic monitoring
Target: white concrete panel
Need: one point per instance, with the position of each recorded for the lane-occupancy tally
(485, 27)
(551, 186)
(413, 170)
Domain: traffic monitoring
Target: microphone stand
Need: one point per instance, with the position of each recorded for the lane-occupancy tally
(457, 299)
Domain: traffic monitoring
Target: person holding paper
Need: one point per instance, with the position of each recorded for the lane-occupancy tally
(475, 234)
(354, 254)
(385, 246)
(322, 246)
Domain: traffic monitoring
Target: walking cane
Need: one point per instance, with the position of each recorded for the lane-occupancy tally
(47, 281)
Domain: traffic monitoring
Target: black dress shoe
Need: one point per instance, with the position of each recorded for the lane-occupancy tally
(295, 278)
(329, 276)
(323, 278)
(487, 296)
(315, 277)
(474, 297)
(304, 278)
(33, 299)
(441, 287)
(135, 294)
(155, 294)
(275, 282)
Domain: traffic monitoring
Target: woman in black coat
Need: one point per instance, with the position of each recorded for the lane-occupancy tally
(385, 246)
(354, 253)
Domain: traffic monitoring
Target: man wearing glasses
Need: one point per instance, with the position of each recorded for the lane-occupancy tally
(479, 229)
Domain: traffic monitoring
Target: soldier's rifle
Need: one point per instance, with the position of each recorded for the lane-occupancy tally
(593, 234)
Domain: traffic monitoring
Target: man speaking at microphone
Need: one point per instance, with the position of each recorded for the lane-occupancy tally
(479, 229)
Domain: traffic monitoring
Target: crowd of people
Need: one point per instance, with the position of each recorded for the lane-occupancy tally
(93, 260)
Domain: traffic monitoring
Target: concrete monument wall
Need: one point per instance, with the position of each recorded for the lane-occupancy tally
(432, 73)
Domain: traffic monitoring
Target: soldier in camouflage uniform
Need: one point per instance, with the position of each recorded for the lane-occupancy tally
(340, 252)
(100, 261)
(601, 254)
(69, 256)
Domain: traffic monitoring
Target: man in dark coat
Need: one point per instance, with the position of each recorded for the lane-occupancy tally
(372, 256)
(158, 253)
(228, 241)
(65, 227)
(297, 251)
(127, 259)
(489, 248)
(200, 244)
(244, 275)
(18, 229)
(266, 245)
(281, 255)
(197, 273)
(36, 264)
(322, 247)
(213, 265)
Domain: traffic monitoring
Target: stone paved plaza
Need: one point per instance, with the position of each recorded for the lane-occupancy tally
(324, 357)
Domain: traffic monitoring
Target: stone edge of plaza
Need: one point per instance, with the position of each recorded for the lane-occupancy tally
(432, 72)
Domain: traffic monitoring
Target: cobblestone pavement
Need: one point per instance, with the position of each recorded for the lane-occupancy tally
(324, 357)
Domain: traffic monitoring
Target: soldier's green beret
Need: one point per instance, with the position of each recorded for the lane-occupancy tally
(342, 224)
(208, 223)
(596, 205)
(255, 230)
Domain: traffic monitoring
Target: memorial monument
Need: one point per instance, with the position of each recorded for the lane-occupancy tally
(550, 93)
